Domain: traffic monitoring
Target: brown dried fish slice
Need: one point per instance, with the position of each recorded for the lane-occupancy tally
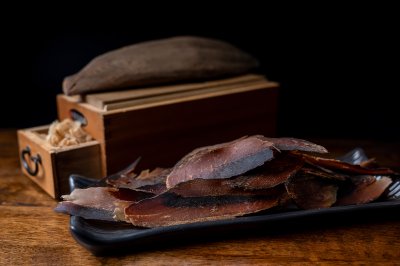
(310, 192)
(155, 189)
(272, 173)
(216, 187)
(161, 61)
(337, 165)
(233, 158)
(366, 189)
(255, 182)
(169, 209)
(148, 181)
(221, 161)
(289, 144)
(98, 202)
(322, 173)
(206, 188)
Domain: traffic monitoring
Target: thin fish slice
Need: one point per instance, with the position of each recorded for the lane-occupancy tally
(216, 187)
(255, 182)
(289, 144)
(337, 165)
(366, 189)
(170, 209)
(233, 158)
(310, 192)
(97, 202)
(323, 173)
(221, 161)
(147, 181)
(271, 174)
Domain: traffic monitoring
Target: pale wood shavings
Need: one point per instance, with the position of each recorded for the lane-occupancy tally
(66, 133)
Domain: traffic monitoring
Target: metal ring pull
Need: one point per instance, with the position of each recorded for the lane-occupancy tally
(35, 159)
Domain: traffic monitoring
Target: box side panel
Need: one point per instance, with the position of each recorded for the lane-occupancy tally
(85, 161)
(163, 134)
(45, 176)
(93, 116)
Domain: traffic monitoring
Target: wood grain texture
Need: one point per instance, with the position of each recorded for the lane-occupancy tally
(58, 163)
(95, 124)
(102, 100)
(165, 129)
(33, 234)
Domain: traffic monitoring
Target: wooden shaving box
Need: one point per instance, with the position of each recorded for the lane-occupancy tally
(161, 124)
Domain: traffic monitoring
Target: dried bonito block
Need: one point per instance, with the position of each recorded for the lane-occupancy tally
(172, 60)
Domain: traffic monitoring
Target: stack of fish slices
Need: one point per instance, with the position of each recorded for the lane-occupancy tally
(232, 179)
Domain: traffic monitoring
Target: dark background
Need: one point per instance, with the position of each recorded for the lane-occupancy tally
(338, 71)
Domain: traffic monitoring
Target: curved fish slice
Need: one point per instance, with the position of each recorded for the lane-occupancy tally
(221, 161)
(289, 144)
(366, 189)
(233, 158)
(148, 181)
(170, 209)
(256, 182)
(98, 202)
(271, 174)
(309, 192)
(344, 167)
(323, 173)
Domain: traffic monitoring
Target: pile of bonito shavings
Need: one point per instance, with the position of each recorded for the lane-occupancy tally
(246, 176)
(66, 133)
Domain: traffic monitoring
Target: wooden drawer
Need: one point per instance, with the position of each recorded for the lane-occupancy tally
(50, 167)
(162, 124)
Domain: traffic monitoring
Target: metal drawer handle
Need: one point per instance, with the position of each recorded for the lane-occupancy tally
(35, 159)
(78, 116)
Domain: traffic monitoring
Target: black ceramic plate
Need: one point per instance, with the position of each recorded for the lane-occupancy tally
(103, 238)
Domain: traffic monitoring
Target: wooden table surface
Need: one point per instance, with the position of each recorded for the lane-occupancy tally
(32, 233)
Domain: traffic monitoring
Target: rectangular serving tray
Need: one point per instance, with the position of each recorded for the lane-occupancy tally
(111, 238)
